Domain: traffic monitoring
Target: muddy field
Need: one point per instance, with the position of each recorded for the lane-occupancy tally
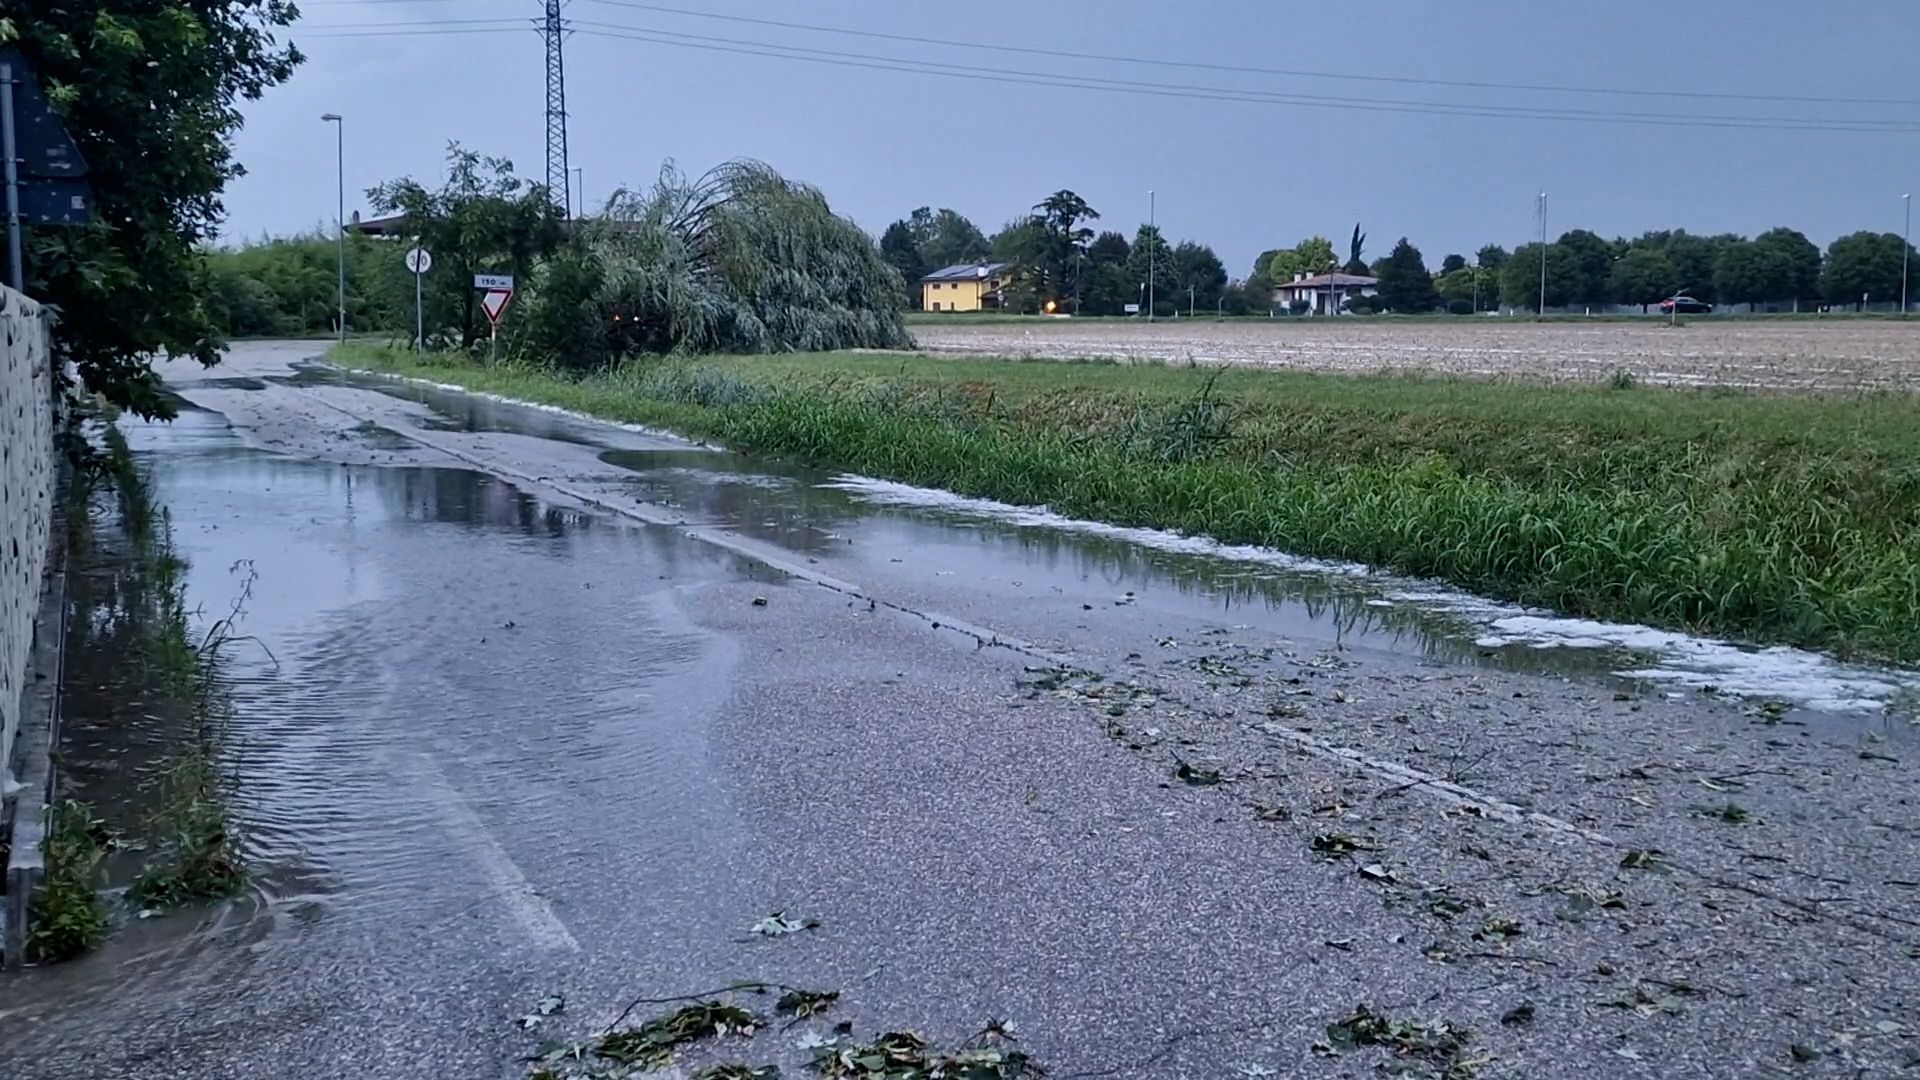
(1798, 354)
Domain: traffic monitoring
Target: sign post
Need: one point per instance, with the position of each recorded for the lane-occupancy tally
(419, 261)
(16, 273)
(45, 174)
(496, 292)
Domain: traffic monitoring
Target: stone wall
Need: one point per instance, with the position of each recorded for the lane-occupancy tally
(26, 494)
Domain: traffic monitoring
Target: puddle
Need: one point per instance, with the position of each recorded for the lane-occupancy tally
(1808, 680)
(442, 676)
(991, 545)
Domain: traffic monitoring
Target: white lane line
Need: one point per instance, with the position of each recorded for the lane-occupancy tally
(523, 903)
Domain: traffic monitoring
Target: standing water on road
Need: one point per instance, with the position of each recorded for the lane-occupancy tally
(548, 707)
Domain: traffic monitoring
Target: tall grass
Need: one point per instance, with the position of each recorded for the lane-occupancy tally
(195, 842)
(1769, 518)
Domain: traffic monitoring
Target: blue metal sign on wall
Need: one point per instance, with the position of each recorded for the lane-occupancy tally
(52, 173)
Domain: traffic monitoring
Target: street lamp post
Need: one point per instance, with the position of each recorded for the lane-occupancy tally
(1906, 251)
(1153, 236)
(340, 218)
(1543, 254)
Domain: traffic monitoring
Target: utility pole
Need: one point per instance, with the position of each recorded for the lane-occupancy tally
(1153, 239)
(580, 187)
(1906, 251)
(553, 29)
(1543, 254)
(340, 220)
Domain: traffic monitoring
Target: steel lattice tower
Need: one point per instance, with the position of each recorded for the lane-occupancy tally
(553, 30)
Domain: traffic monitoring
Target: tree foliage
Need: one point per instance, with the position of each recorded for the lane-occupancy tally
(1150, 250)
(482, 220)
(150, 91)
(1644, 275)
(1589, 268)
(1405, 285)
(1453, 263)
(1520, 277)
(287, 286)
(928, 240)
(1106, 288)
(738, 260)
(1063, 241)
(1259, 285)
(1864, 265)
(1356, 252)
(1313, 255)
(1199, 275)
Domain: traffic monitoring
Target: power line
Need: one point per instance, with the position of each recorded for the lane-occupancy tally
(838, 58)
(337, 32)
(516, 24)
(908, 65)
(1285, 72)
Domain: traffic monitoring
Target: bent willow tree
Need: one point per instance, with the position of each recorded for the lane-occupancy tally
(740, 260)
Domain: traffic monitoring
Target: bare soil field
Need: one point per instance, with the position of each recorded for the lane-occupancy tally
(1842, 354)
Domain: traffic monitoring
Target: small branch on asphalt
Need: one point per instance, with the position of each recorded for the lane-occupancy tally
(730, 988)
(1512, 958)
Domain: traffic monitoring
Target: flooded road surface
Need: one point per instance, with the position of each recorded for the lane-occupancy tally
(547, 706)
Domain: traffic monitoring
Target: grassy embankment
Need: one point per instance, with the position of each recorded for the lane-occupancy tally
(1767, 517)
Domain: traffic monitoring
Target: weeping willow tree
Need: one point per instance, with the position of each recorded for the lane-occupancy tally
(740, 260)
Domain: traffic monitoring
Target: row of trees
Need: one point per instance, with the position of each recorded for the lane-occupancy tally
(1062, 259)
(1780, 267)
(738, 260)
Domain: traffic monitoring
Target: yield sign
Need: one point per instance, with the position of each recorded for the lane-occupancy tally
(494, 302)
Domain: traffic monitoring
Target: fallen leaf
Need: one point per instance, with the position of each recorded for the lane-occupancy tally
(778, 925)
(1641, 860)
(801, 1004)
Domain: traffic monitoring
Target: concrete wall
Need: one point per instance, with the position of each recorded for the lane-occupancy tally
(26, 494)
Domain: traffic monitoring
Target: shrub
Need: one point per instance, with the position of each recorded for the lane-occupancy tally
(68, 917)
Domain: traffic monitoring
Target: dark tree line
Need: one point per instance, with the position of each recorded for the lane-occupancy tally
(1059, 259)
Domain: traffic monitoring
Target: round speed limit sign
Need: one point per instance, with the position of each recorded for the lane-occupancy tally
(419, 261)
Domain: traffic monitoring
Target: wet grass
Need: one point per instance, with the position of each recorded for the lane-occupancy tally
(148, 696)
(194, 841)
(1770, 517)
(69, 916)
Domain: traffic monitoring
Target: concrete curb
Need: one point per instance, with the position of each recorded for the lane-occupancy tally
(39, 733)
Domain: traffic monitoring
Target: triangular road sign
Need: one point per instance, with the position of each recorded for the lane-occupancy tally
(494, 302)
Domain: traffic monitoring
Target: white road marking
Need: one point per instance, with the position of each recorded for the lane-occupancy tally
(523, 903)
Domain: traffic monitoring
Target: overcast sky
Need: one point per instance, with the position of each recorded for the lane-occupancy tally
(1240, 175)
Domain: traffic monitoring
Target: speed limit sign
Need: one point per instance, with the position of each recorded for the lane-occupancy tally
(419, 261)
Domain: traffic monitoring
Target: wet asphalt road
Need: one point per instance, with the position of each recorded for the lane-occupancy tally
(530, 731)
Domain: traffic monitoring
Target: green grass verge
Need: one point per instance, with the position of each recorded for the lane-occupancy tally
(194, 841)
(69, 917)
(1769, 517)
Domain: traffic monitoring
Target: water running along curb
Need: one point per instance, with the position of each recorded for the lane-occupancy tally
(38, 736)
(1391, 771)
(1394, 773)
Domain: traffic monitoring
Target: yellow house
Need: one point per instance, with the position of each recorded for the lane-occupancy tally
(964, 287)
